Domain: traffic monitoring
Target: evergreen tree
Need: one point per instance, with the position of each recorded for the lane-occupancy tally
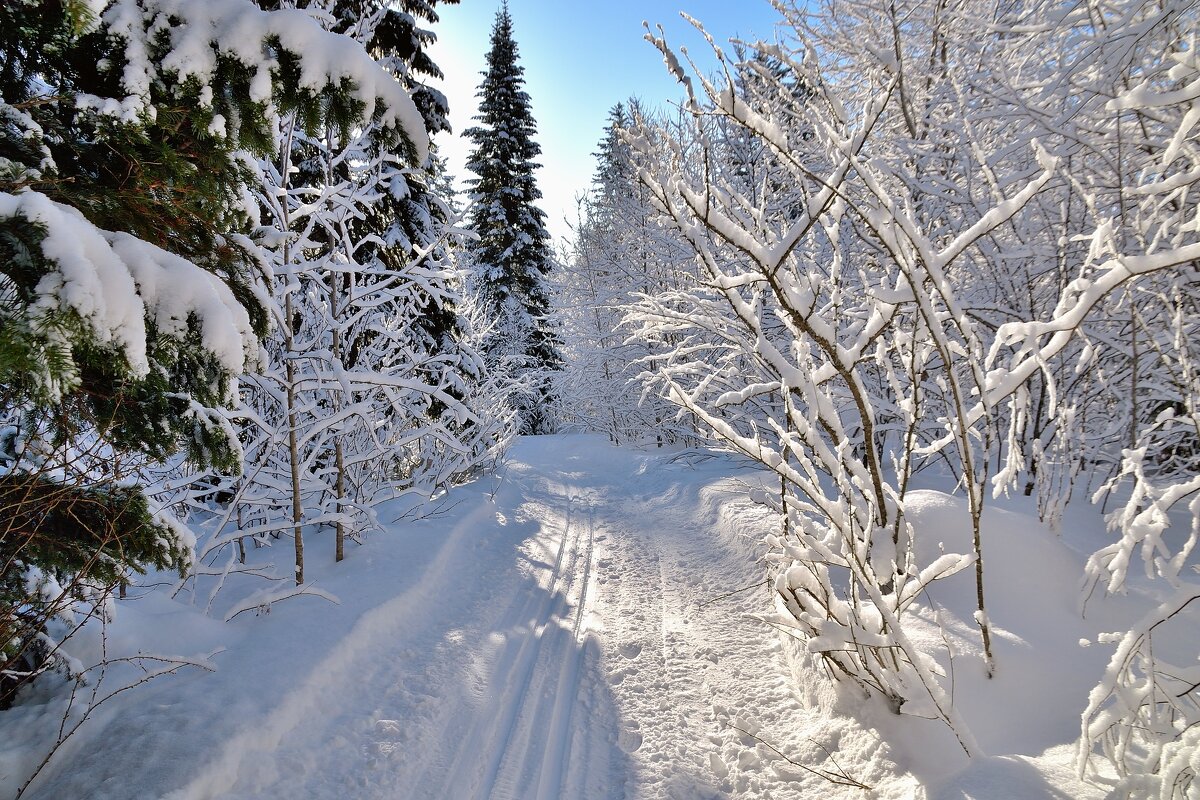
(130, 297)
(512, 254)
(411, 217)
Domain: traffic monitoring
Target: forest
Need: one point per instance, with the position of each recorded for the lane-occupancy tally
(254, 340)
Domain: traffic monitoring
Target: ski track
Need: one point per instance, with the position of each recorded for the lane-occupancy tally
(584, 667)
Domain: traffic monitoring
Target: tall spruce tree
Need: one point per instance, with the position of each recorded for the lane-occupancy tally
(512, 255)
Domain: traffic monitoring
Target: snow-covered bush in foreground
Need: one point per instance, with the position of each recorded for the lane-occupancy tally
(1144, 717)
(848, 331)
(838, 331)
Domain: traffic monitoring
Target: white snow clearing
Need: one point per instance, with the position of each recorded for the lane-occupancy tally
(571, 627)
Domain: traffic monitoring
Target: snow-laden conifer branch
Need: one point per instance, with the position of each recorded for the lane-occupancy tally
(112, 284)
(198, 36)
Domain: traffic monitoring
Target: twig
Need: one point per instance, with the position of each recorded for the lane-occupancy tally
(501, 472)
(172, 665)
(442, 510)
(945, 639)
(839, 778)
(264, 599)
(764, 582)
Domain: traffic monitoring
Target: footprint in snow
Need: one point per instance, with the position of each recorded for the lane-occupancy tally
(387, 727)
(630, 650)
(630, 741)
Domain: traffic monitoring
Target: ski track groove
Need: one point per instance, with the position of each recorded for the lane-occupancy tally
(557, 751)
(521, 761)
(516, 761)
(516, 693)
(498, 779)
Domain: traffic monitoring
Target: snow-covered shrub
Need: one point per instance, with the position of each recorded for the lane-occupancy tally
(373, 385)
(1144, 715)
(620, 251)
(1132, 303)
(873, 228)
(829, 343)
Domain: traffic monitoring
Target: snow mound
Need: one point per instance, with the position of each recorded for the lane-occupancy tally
(1027, 716)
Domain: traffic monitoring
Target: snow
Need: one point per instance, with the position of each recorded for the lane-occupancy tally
(201, 33)
(588, 621)
(114, 281)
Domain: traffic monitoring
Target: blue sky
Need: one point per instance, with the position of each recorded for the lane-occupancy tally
(580, 59)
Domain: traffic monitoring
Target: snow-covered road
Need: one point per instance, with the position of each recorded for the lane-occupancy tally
(556, 634)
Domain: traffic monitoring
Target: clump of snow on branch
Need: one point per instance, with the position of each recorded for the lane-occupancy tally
(114, 282)
(199, 34)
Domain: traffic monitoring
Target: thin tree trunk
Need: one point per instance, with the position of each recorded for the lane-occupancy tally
(985, 626)
(338, 453)
(290, 368)
(241, 542)
(340, 550)
(1133, 373)
(293, 446)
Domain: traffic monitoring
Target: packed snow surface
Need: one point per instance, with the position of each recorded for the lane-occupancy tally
(571, 627)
